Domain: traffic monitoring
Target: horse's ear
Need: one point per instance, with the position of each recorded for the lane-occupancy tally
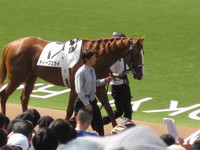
(136, 42)
(141, 39)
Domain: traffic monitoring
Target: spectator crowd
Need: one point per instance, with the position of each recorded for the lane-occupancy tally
(30, 131)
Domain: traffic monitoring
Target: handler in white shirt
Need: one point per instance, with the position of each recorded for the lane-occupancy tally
(120, 89)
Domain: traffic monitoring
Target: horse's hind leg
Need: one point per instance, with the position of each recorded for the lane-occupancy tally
(28, 88)
(70, 108)
(6, 92)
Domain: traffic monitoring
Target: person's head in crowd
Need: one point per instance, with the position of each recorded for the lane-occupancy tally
(73, 134)
(168, 139)
(45, 139)
(123, 125)
(10, 125)
(3, 138)
(10, 147)
(63, 129)
(84, 118)
(2, 121)
(35, 114)
(196, 144)
(18, 139)
(7, 121)
(23, 127)
(45, 121)
(25, 116)
(72, 122)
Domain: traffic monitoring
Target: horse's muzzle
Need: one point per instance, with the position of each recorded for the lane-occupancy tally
(138, 76)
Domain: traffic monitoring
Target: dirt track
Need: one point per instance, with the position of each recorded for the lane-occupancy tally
(15, 109)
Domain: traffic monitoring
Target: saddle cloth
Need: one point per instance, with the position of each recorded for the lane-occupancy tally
(63, 55)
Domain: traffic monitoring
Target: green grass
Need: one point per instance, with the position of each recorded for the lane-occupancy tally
(171, 46)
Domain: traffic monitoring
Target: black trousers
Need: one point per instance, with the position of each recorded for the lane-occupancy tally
(122, 98)
(97, 124)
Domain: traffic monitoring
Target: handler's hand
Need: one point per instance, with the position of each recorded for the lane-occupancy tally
(89, 107)
(108, 79)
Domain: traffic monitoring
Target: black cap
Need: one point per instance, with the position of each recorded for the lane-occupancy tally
(87, 54)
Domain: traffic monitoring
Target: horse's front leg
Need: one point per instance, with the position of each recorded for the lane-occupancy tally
(70, 106)
(103, 98)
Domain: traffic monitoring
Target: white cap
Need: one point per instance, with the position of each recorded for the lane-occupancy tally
(137, 138)
(175, 147)
(19, 140)
(114, 33)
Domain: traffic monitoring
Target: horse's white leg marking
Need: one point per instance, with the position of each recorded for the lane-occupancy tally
(142, 55)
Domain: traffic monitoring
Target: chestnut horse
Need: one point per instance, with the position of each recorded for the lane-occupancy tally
(19, 59)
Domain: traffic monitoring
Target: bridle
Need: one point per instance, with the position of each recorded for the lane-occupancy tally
(132, 65)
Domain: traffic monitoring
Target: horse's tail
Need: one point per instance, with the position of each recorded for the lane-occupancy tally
(3, 71)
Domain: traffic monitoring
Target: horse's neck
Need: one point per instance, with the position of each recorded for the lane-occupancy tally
(112, 46)
(108, 50)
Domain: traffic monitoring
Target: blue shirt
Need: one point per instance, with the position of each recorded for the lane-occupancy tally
(81, 133)
(86, 83)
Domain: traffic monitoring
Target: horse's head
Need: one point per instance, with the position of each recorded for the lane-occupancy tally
(134, 58)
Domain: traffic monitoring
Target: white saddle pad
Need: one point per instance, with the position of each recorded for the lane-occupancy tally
(61, 55)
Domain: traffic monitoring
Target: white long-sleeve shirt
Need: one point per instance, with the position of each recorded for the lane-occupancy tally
(86, 83)
(118, 67)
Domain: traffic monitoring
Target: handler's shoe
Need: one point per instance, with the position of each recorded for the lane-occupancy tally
(72, 122)
(106, 120)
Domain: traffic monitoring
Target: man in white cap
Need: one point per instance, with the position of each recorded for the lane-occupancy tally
(120, 89)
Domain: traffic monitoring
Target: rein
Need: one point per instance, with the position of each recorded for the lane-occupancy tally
(102, 104)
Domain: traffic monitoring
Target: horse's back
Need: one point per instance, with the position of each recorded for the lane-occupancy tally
(20, 58)
(24, 45)
(22, 53)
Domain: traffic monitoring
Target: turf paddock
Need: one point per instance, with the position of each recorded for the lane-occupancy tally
(14, 109)
(171, 45)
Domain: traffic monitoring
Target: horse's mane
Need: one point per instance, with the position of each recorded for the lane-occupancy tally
(108, 44)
